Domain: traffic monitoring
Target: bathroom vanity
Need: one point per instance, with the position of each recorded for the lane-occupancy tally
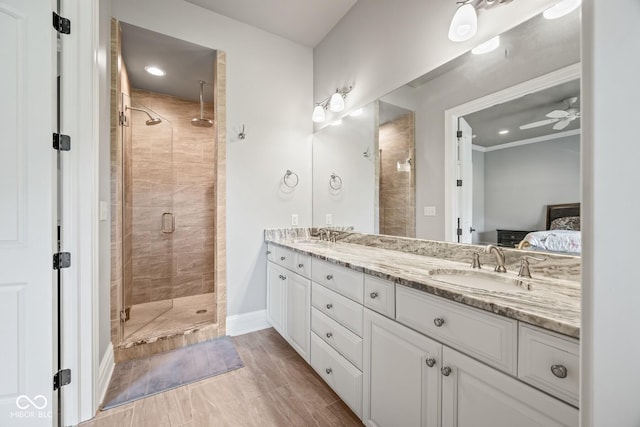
(412, 340)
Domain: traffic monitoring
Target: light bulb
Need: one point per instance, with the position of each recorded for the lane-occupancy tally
(487, 46)
(318, 114)
(336, 104)
(561, 9)
(464, 24)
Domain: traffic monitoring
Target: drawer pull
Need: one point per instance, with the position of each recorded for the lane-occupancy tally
(446, 371)
(559, 371)
(438, 321)
(431, 362)
(300, 265)
(328, 371)
(282, 258)
(329, 334)
(329, 277)
(283, 277)
(329, 306)
(373, 295)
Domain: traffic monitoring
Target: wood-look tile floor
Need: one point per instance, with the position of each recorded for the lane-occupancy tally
(275, 388)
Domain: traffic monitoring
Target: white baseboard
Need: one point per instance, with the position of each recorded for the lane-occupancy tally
(104, 373)
(240, 324)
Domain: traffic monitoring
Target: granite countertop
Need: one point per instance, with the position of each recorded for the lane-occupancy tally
(550, 303)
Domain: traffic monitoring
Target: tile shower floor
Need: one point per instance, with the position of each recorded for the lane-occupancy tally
(159, 319)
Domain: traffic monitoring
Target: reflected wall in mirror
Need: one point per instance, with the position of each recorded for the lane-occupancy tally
(533, 49)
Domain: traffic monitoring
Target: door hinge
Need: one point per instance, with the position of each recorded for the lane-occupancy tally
(61, 142)
(459, 231)
(122, 119)
(61, 260)
(458, 183)
(459, 134)
(61, 378)
(61, 24)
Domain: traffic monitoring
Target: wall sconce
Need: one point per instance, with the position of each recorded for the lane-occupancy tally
(464, 24)
(335, 103)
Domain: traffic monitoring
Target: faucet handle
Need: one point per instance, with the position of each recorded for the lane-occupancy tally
(475, 262)
(524, 265)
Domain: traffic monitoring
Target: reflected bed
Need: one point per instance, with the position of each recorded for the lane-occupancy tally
(562, 233)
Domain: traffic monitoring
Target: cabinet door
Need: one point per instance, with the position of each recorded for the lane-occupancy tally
(400, 388)
(298, 313)
(475, 395)
(276, 282)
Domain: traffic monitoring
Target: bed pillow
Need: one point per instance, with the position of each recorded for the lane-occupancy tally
(566, 223)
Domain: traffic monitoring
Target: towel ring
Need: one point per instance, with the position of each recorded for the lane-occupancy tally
(335, 182)
(286, 177)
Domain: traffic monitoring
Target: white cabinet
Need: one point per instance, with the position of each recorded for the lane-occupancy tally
(276, 283)
(298, 313)
(475, 395)
(402, 377)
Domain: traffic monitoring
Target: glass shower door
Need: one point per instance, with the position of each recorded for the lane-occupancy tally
(149, 221)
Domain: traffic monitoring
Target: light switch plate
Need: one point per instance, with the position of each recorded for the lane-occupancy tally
(328, 219)
(294, 219)
(429, 211)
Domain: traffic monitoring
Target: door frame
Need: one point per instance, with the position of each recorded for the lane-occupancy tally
(451, 116)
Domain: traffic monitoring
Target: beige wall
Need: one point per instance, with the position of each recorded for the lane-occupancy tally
(397, 189)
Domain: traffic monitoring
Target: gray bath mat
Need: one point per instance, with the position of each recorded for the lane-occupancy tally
(139, 378)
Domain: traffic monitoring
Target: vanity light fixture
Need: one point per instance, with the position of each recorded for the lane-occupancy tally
(504, 132)
(335, 103)
(154, 71)
(464, 24)
(561, 9)
(487, 46)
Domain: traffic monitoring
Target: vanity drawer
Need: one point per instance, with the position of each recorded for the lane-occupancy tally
(302, 263)
(341, 309)
(341, 375)
(271, 252)
(337, 336)
(344, 281)
(540, 351)
(380, 295)
(285, 257)
(485, 336)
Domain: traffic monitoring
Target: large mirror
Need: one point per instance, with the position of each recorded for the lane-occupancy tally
(518, 158)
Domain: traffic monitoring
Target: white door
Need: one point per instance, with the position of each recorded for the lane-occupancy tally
(465, 177)
(27, 211)
(275, 296)
(475, 395)
(298, 313)
(401, 374)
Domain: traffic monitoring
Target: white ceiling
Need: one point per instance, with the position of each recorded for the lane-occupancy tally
(306, 22)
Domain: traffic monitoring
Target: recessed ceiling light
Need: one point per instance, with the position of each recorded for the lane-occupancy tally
(487, 46)
(561, 9)
(473, 136)
(155, 71)
(337, 122)
(503, 131)
(356, 113)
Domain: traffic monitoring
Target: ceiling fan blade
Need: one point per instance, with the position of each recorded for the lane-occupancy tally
(557, 114)
(562, 124)
(540, 123)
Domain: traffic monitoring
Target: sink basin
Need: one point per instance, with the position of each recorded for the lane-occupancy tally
(479, 281)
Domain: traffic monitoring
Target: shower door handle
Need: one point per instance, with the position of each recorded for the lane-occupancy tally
(168, 227)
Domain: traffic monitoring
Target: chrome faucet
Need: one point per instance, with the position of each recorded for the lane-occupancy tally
(500, 268)
(322, 232)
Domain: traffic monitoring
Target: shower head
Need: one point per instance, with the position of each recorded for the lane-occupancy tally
(201, 121)
(152, 120)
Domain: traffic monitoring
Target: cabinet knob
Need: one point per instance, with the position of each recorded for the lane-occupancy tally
(329, 277)
(329, 306)
(559, 371)
(300, 265)
(329, 334)
(283, 277)
(373, 295)
(445, 371)
(268, 252)
(328, 371)
(282, 258)
(438, 321)
(431, 362)
(280, 276)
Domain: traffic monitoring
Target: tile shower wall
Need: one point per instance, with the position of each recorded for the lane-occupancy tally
(176, 175)
(397, 188)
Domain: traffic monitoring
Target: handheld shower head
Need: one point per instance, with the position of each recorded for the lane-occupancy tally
(152, 120)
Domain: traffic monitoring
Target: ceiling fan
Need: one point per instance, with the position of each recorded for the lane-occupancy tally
(561, 118)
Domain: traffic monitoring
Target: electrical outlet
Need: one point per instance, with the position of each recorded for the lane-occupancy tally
(429, 211)
(294, 219)
(328, 219)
